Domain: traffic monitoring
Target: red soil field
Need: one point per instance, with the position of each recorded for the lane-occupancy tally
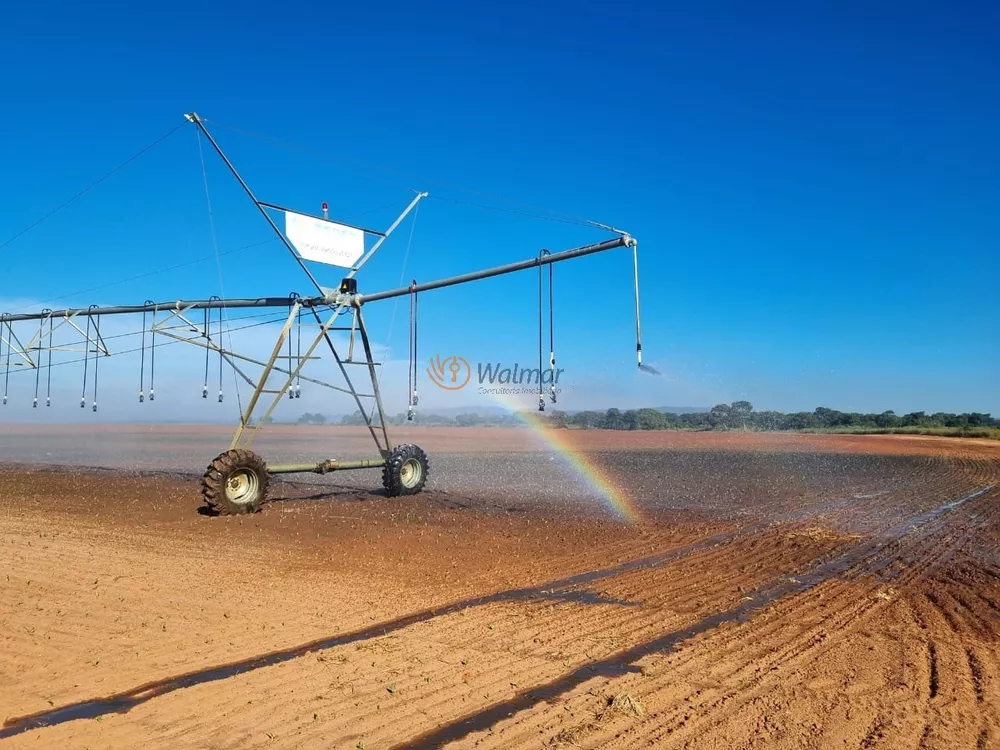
(782, 590)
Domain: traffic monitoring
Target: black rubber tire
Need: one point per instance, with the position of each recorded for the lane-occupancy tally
(230, 466)
(393, 478)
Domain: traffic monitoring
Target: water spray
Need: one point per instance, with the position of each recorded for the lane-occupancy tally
(236, 480)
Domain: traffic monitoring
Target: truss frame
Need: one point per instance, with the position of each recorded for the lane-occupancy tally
(337, 302)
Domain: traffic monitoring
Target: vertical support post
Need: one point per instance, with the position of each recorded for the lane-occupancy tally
(375, 389)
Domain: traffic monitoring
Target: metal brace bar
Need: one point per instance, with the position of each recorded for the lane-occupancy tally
(248, 413)
(357, 399)
(367, 256)
(374, 377)
(227, 354)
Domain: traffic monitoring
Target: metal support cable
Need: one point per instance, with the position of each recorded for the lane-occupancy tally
(402, 275)
(223, 316)
(61, 206)
(549, 214)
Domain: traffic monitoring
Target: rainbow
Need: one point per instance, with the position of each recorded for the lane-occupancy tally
(613, 495)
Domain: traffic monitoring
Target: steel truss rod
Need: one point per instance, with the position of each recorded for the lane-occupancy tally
(239, 439)
(20, 350)
(37, 340)
(201, 304)
(230, 355)
(374, 378)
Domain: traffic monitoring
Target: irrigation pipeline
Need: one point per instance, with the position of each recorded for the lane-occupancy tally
(317, 302)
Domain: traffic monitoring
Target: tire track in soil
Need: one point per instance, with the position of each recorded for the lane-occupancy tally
(864, 558)
(652, 622)
(562, 589)
(559, 622)
(932, 557)
(364, 720)
(714, 547)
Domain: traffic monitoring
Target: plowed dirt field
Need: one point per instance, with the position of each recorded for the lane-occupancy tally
(787, 591)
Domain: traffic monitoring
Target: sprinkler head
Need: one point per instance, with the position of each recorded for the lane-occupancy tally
(204, 392)
(34, 404)
(83, 403)
(95, 406)
(151, 394)
(141, 397)
(220, 397)
(48, 401)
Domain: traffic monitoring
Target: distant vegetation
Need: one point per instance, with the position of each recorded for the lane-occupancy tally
(739, 415)
(471, 419)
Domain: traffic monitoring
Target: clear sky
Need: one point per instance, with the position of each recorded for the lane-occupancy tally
(815, 186)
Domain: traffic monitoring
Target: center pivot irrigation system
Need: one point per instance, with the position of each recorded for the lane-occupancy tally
(236, 481)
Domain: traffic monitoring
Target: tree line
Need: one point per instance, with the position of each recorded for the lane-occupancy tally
(739, 415)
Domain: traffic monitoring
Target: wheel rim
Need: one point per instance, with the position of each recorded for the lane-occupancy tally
(242, 486)
(410, 473)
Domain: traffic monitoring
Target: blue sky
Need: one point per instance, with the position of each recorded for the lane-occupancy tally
(814, 185)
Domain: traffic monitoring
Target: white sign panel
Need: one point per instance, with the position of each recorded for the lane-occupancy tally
(324, 241)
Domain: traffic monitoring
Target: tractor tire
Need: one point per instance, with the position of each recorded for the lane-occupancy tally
(235, 483)
(405, 471)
